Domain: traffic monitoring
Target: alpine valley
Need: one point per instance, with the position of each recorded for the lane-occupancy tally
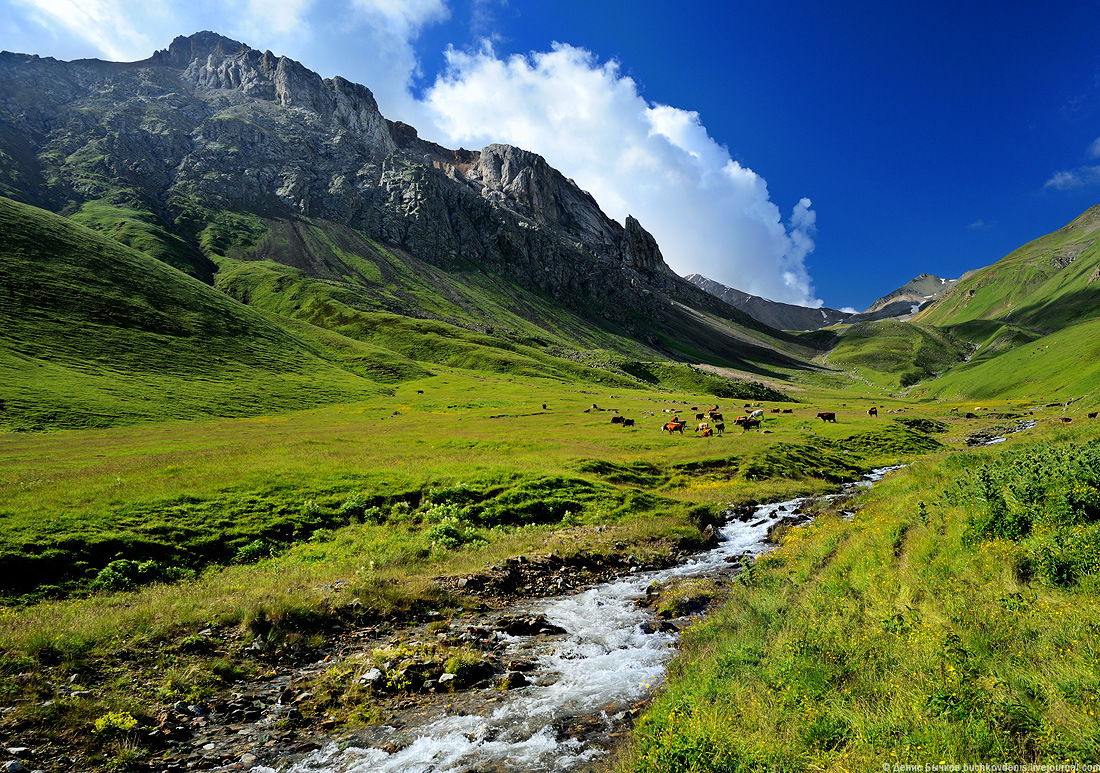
(300, 413)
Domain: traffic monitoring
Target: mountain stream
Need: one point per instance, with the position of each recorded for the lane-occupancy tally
(610, 658)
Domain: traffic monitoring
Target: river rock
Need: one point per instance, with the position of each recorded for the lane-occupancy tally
(527, 625)
(513, 680)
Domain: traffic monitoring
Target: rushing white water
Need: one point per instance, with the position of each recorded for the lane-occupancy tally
(606, 662)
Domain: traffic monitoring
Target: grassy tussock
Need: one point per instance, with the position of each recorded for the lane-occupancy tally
(884, 639)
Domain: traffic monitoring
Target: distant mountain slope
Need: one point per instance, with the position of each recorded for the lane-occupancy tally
(910, 298)
(244, 155)
(781, 316)
(96, 333)
(901, 303)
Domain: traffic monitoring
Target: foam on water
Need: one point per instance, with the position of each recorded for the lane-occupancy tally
(605, 663)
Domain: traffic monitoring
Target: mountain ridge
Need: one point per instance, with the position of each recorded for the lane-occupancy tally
(210, 124)
(901, 303)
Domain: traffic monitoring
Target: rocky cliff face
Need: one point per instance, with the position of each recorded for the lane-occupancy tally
(210, 124)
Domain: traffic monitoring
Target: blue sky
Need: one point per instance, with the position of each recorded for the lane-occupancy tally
(807, 152)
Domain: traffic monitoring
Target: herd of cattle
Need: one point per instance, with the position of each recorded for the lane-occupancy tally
(711, 422)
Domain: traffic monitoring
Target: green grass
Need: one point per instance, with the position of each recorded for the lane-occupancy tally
(1060, 367)
(185, 495)
(143, 232)
(98, 334)
(901, 636)
(894, 354)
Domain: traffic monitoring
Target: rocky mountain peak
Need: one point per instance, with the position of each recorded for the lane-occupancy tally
(640, 250)
(200, 46)
(211, 62)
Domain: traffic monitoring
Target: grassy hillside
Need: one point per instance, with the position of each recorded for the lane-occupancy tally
(143, 232)
(890, 353)
(1042, 287)
(951, 619)
(96, 333)
(1060, 367)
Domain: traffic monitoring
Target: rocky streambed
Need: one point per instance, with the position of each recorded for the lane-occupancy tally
(574, 669)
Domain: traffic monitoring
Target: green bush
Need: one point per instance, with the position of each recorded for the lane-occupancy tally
(124, 574)
(253, 552)
(1045, 497)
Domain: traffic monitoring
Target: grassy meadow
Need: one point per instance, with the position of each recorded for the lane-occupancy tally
(273, 457)
(120, 544)
(950, 617)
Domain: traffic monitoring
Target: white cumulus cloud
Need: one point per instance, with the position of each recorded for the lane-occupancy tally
(710, 214)
(105, 24)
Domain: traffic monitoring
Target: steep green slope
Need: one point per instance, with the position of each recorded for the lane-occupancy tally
(1060, 367)
(96, 333)
(1044, 286)
(143, 231)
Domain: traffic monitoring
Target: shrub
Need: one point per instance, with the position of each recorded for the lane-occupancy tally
(355, 505)
(253, 552)
(124, 574)
(452, 532)
(1045, 498)
(115, 723)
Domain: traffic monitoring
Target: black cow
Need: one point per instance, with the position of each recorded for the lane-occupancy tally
(827, 416)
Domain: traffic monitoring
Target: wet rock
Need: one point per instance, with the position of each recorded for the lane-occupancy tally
(527, 625)
(711, 536)
(513, 680)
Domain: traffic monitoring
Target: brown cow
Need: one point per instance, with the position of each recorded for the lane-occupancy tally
(714, 416)
(707, 432)
(746, 423)
(775, 410)
(827, 416)
(674, 426)
(1066, 419)
(873, 412)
